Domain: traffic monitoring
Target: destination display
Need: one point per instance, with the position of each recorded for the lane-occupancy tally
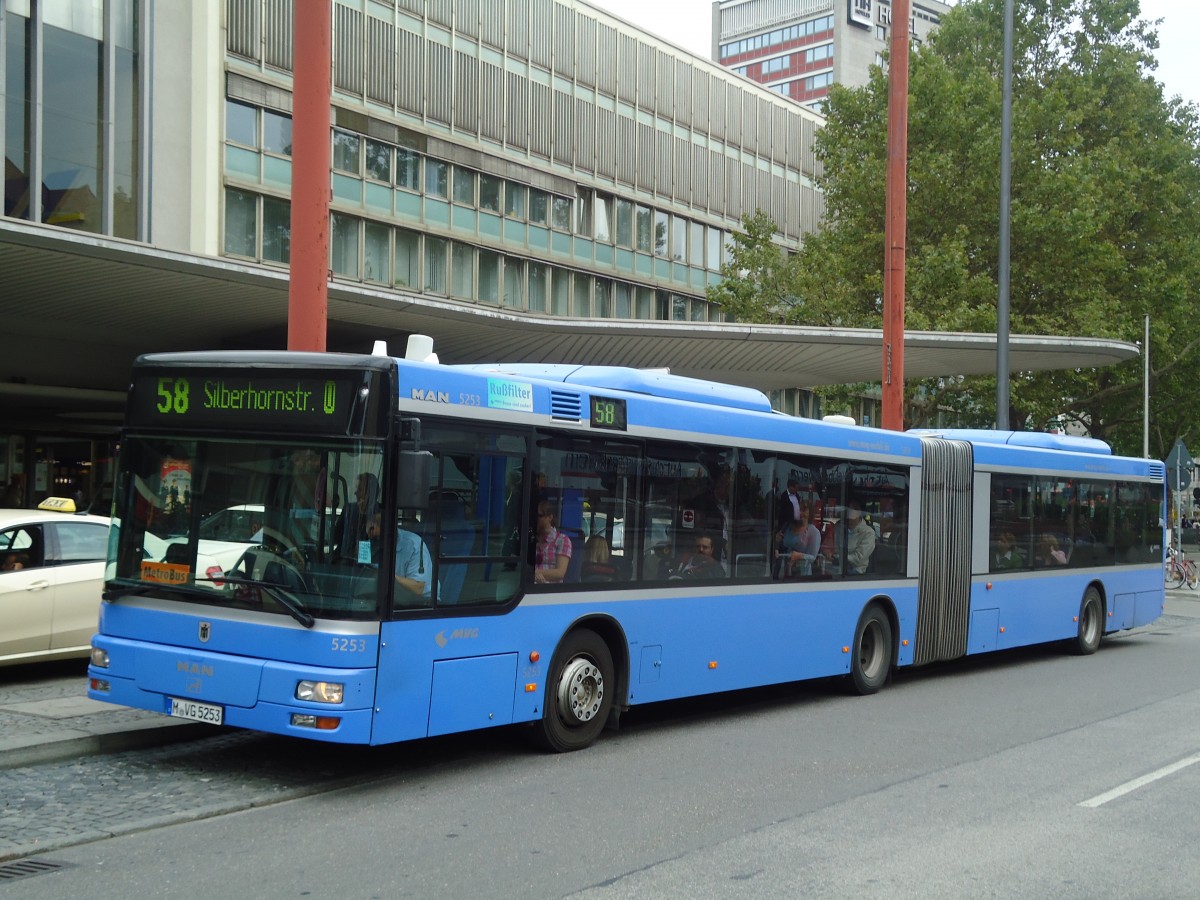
(319, 402)
(608, 412)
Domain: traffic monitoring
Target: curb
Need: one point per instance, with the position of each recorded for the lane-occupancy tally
(94, 744)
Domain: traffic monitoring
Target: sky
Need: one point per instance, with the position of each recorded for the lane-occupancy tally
(688, 23)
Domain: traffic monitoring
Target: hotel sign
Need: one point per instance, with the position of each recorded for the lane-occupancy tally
(860, 12)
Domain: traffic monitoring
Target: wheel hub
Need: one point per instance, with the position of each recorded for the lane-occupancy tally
(581, 690)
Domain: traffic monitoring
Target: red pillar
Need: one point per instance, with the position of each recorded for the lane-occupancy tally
(895, 225)
(308, 292)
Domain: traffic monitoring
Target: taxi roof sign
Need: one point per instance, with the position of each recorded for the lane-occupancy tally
(58, 504)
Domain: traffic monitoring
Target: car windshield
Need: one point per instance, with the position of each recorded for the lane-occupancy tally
(249, 524)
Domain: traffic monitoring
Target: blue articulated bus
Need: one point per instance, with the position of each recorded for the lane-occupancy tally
(366, 550)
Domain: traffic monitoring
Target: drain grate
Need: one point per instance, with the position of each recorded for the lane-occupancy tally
(25, 868)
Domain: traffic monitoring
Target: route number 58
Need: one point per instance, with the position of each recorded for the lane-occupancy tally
(172, 395)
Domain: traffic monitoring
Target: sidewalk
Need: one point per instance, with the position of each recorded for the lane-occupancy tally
(53, 719)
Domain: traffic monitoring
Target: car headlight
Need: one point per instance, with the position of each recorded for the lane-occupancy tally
(99, 658)
(320, 691)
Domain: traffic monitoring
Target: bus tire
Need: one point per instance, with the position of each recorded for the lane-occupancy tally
(579, 693)
(1091, 623)
(871, 652)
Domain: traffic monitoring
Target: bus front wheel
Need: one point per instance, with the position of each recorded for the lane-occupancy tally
(579, 693)
(871, 653)
(1091, 623)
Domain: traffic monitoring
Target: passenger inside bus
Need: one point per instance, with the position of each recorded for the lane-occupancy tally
(860, 540)
(357, 528)
(597, 561)
(414, 568)
(701, 562)
(1048, 552)
(553, 554)
(798, 547)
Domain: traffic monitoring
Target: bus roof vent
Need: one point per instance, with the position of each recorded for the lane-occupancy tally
(420, 349)
(1158, 469)
(839, 420)
(566, 406)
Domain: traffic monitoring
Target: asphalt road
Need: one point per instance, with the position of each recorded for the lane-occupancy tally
(1026, 774)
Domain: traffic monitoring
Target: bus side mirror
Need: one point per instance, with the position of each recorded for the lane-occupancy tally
(413, 477)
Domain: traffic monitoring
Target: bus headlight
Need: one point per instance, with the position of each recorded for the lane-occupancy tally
(320, 691)
(99, 658)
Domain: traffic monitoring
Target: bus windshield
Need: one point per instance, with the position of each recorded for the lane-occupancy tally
(283, 527)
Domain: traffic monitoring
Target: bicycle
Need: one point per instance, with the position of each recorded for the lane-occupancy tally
(1179, 570)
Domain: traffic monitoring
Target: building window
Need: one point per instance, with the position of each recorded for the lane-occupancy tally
(623, 213)
(462, 271)
(679, 239)
(437, 178)
(539, 281)
(645, 229)
(241, 124)
(644, 303)
(408, 258)
(623, 305)
(241, 222)
(539, 203)
(435, 265)
(602, 227)
(514, 200)
(561, 212)
(376, 253)
(18, 64)
(514, 282)
(489, 193)
(379, 161)
(581, 300)
(602, 301)
(343, 245)
(561, 298)
(277, 133)
(696, 243)
(464, 186)
(71, 101)
(584, 214)
(345, 151)
(489, 277)
(662, 226)
(714, 249)
(277, 230)
(408, 169)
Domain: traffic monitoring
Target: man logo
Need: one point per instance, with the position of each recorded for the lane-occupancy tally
(205, 632)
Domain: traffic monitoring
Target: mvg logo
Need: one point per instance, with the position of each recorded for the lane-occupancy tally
(457, 634)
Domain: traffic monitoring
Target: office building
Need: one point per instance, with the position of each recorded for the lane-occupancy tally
(798, 48)
(537, 158)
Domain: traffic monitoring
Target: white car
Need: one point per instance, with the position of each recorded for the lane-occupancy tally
(51, 577)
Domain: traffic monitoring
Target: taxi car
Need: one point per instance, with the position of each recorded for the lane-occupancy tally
(51, 576)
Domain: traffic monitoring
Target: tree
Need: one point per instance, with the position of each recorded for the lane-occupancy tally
(1105, 219)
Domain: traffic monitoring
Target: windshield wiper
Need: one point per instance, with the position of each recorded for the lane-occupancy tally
(280, 595)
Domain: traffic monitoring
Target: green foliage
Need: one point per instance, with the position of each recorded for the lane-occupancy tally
(1105, 213)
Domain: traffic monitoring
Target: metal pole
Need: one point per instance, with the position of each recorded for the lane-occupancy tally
(308, 292)
(1002, 373)
(1146, 392)
(895, 223)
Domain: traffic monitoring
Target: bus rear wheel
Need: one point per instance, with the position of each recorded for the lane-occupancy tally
(871, 652)
(578, 694)
(1091, 623)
